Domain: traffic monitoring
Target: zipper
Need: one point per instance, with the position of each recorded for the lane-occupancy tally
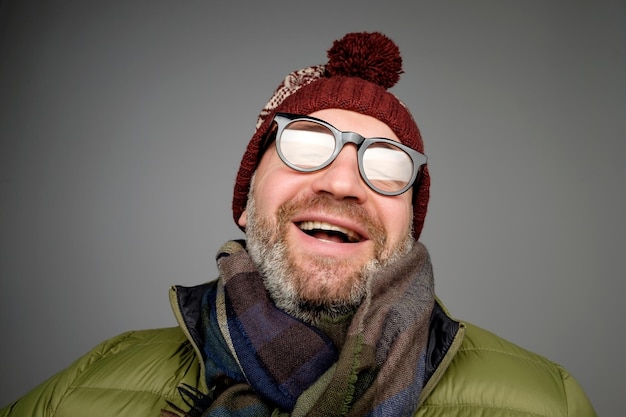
(445, 362)
(173, 296)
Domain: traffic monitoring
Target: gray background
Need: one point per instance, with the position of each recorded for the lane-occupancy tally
(122, 124)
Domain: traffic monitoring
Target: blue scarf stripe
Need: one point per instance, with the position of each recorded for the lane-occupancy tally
(266, 330)
(280, 371)
(404, 403)
(255, 410)
(257, 375)
(317, 365)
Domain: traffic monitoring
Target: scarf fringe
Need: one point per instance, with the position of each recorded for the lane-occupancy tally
(197, 401)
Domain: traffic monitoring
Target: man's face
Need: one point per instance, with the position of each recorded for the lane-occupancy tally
(317, 237)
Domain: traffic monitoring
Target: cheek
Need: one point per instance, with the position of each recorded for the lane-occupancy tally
(274, 184)
(397, 216)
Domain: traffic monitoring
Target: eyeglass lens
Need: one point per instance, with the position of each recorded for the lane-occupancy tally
(308, 145)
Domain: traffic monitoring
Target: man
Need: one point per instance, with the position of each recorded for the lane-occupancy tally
(328, 307)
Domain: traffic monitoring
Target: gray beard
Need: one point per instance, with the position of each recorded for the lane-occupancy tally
(267, 246)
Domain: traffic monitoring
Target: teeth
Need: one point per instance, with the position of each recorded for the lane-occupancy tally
(311, 225)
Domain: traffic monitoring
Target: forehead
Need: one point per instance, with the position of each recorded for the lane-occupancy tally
(351, 121)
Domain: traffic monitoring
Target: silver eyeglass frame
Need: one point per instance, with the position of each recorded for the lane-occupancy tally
(282, 120)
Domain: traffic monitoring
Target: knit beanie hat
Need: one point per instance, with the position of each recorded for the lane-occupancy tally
(360, 69)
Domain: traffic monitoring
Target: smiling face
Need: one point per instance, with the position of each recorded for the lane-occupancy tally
(317, 237)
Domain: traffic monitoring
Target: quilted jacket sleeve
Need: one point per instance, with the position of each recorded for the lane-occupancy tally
(45, 398)
(133, 374)
(578, 404)
(492, 377)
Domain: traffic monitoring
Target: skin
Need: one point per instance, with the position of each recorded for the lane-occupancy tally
(320, 270)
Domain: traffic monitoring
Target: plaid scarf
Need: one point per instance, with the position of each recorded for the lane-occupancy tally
(262, 362)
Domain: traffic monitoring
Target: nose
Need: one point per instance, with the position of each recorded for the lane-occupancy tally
(341, 178)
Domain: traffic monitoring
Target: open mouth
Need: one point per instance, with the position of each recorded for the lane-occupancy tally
(329, 232)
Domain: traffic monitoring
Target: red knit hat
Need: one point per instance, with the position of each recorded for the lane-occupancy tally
(360, 69)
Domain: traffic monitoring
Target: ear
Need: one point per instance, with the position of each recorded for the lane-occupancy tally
(243, 219)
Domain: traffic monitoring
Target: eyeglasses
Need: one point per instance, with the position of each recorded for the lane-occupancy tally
(308, 144)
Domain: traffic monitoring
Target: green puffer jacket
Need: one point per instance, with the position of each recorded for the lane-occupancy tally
(471, 373)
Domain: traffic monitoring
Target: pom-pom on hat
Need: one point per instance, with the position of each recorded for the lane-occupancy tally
(360, 69)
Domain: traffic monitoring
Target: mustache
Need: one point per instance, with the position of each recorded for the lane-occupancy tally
(344, 208)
